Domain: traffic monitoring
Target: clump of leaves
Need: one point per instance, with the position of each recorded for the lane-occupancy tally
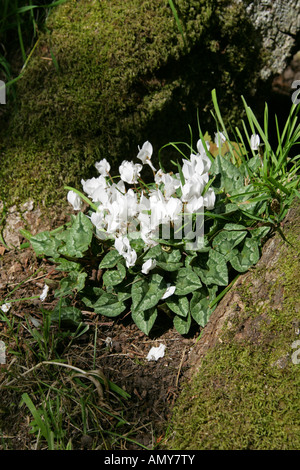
(238, 188)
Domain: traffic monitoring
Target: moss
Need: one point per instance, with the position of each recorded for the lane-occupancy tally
(246, 393)
(107, 76)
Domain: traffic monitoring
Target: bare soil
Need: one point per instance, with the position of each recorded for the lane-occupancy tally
(117, 348)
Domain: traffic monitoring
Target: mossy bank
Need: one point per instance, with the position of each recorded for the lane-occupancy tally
(245, 394)
(107, 76)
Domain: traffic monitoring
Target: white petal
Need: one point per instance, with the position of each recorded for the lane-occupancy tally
(156, 353)
(44, 293)
(148, 265)
(219, 138)
(254, 141)
(5, 307)
(170, 291)
(75, 200)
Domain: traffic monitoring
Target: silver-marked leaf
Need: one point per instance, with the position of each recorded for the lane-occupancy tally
(110, 259)
(108, 305)
(180, 306)
(75, 281)
(147, 292)
(247, 257)
(66, 315)
(231, 177)
(45, 244)
(226, 240)
(169, 266)
(200, 309)
(186, 281)
(75, 241)
(144, 319)
(217, 272)
(114, 277)
(182, 324)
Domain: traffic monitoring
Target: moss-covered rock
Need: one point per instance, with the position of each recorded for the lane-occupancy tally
(245, 392)
(106, 76)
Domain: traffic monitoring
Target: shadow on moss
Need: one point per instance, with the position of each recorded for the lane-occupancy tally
(122, 75)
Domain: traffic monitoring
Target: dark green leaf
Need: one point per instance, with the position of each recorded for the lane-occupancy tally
(182, 324)
(200, 309)
(217, 272)
(144, 319)
(76, 240)
(179, 305)
(66, 315)
(107, 304)
(231, 177)
(147, 292)
(44, 244)
(226, 240)
(114, 277)
(75, 281)
(248, 256)
(186, 281)
(110, 259)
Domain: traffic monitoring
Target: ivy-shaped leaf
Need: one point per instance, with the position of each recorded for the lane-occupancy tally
(182, 324)
(144, 319)
(147, 292)
(114, 277)
(248, 257)
(186, 281)
(226, 240)
(66, 315)
(179, 305)
(108, 305)
(110, 259)
(217, 272)
(45, 244)
(75, 281)
(231, 176)
(200, 309)
(76, 240)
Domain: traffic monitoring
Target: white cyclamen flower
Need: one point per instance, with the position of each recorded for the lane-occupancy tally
(75, 200)
(219, 139)
(206, 160)
(194, 186)
(98, 220)
(44, 293)
(130, 257)
(254, 141)
(171, 184)
(209, 199)
(173, 209)
(103, 167)
(5, 307)
(145, 154)
(94, 186)
(159, 176)
(170, 291)
(200, 147)
(194, 204)
(148, 265)
(122, 245)
(129, 171)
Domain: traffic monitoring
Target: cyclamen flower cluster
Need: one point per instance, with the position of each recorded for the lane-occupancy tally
(122, 211)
